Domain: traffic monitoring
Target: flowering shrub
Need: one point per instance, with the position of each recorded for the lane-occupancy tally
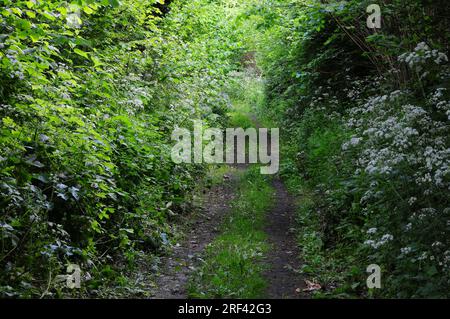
(370, 141)
(402, 164)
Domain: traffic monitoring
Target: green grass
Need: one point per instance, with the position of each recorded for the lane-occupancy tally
(233, 263)
(238, 119)
(216, 173)
(247, 95)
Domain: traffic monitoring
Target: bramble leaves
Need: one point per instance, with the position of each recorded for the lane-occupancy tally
(90, 91)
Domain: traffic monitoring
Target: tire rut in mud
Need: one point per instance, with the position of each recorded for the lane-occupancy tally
(282, 279)
(177, 267)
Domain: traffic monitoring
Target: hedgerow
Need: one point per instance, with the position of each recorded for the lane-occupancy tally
(366, 112)
(90, 93)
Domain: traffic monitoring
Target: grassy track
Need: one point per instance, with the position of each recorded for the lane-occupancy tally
(233, 264)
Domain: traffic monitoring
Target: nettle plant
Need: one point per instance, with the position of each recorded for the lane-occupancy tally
(400, 148)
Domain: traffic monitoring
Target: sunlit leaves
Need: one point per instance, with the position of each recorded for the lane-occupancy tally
(82, 53)
(89, 91)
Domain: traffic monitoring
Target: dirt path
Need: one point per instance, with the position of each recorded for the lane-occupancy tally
(282, 280)
(177, 267)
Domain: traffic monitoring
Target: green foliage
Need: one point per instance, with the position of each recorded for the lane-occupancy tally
(90, 93)
(346, 97)
(246, 91)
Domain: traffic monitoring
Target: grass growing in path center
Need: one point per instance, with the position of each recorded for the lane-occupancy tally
(233, 263)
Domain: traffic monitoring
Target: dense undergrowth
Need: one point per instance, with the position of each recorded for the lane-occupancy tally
(367, 116)
(90, 93)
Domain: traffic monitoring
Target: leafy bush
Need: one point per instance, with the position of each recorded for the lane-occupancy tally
(367, 114)
(90, 92)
